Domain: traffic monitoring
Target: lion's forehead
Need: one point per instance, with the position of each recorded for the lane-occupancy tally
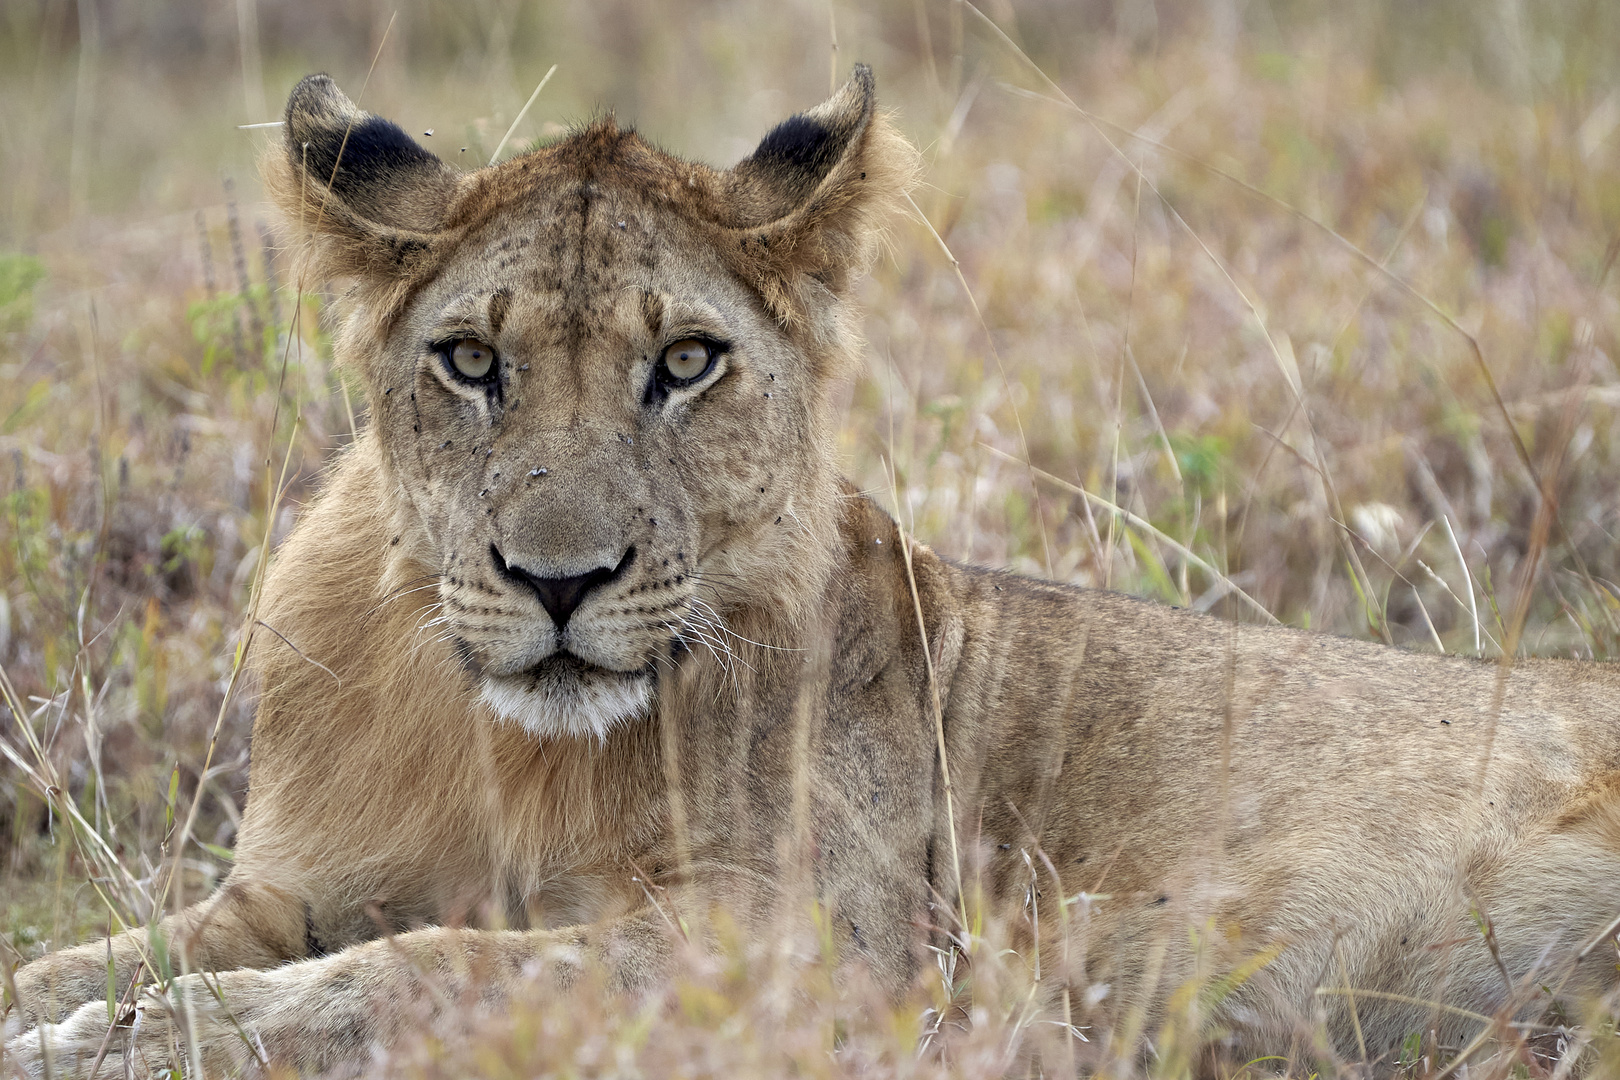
(576, 259)
(582, 237)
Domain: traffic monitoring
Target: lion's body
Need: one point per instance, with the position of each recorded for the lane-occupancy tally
(751, 704)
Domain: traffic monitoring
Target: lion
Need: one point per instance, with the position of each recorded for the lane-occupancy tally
(664, 649)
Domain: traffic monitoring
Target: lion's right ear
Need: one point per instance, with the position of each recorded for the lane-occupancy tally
(808, 207)
(370, 197)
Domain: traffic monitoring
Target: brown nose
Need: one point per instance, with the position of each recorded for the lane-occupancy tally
(560, 596)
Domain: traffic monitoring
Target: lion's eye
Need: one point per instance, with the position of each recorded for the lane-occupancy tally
(686, 361)
(472, 359)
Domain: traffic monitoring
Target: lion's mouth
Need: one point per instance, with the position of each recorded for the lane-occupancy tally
(564, 695)
(564, 664)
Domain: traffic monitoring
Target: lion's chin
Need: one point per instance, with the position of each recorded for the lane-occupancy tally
(563, 696)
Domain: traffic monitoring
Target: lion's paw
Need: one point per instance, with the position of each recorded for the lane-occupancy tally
(53, 986)
(60, 1047)
(141, 1040)
(72, 1047)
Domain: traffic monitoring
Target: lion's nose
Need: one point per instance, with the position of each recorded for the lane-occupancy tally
(560, 596)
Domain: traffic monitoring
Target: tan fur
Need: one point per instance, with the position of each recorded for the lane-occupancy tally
(1317, 801)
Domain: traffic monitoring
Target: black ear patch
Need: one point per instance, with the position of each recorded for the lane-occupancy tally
(369, 163)
(799, 143)
(801, 152)
(796, 155)
(353, 161)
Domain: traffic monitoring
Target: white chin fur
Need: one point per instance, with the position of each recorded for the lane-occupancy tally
(565, 703)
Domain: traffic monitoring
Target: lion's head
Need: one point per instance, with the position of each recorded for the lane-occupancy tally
(599, 378)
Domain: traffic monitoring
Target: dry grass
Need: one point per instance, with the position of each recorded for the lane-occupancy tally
(1310, 304)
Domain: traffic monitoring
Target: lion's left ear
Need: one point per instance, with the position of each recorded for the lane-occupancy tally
(371, 197)
(808, 206)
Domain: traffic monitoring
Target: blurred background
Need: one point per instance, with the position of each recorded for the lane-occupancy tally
(1315, 300)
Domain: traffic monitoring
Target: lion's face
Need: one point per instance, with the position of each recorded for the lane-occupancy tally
(598, 375)
(585, 408)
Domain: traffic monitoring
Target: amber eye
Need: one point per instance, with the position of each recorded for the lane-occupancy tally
(685, 361)
(471, 358)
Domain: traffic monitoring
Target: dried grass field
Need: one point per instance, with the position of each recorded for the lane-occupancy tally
(1282, 309)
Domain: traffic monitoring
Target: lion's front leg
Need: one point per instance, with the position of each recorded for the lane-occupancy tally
(318, 1015)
